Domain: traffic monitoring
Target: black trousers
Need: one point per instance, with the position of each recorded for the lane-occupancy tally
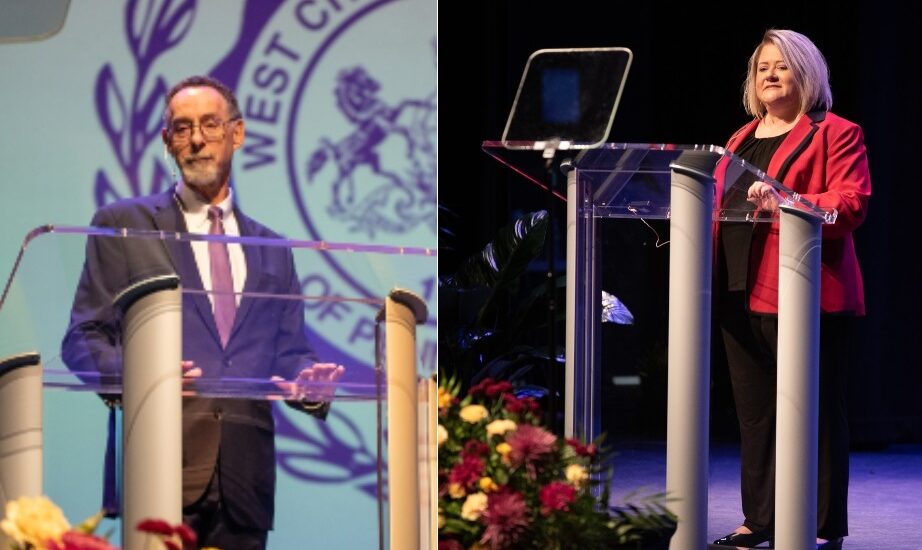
(751, 344)
(214, 526)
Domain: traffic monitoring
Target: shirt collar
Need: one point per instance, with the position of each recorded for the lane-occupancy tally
(193, 205)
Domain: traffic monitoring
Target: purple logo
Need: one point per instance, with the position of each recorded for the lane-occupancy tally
(393, 197)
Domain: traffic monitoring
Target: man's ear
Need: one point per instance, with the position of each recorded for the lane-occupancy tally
(239, 133)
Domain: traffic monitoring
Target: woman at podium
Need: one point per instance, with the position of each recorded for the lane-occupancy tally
(796, 140)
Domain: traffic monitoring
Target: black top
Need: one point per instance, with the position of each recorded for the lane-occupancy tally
(736, 236)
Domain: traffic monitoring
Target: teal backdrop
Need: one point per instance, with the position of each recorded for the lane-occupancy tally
(340, 100)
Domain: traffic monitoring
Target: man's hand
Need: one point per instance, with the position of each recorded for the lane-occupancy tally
(189, 373)
(316, 383)
(763, 196)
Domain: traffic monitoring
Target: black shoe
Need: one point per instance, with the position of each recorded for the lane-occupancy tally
(747, 540)
(831, 544)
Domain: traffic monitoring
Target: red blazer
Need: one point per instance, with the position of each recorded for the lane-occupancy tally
(824, 159)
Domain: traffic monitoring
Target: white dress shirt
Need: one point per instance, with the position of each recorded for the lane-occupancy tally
(195, 211)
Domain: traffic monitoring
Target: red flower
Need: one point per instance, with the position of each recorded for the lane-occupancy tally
(74, 540)
(166, 531)
(582, 450)
(481, 386)
(519, 405)
(155, 526)
(475, 447)
(506, 518)
(450, 544)
(498, 388)
(467, 472)
(530, 444)
(556, 496)
(186, 534)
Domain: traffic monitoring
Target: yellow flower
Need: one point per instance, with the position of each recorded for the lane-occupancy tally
(456, 490)
(478, 546)
(474, 506)
(487, 484)
(503, 449)
(473, 413)
(34, 521)
(499, 427)
(441, 519)
(445, 398)
(576, 474)
(441, 434)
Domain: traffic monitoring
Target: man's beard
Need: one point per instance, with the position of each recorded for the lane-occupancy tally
(203, 175)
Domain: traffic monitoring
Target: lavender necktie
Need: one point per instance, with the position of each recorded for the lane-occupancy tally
(222, 282)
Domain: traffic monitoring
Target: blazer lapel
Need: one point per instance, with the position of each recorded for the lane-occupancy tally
(168, 217)
(253, 256)
(793, 145)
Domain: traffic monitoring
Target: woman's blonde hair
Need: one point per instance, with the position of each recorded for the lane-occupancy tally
(808, 68)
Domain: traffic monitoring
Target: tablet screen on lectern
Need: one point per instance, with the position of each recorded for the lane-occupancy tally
(569, 95)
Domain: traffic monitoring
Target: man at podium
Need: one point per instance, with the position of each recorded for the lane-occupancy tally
(228, 444)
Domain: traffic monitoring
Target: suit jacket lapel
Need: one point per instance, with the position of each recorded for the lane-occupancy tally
(253, 256)
(168, 217)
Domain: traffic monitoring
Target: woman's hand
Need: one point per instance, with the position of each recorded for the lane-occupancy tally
(763, 196)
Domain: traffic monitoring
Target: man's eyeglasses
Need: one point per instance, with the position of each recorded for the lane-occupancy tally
(212, 130)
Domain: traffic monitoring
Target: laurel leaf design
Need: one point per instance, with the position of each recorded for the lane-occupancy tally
(339, 445)
(103, 191)
(173, 25)
(147, 120)
(110, 105)
(152, 27)
(155, 26)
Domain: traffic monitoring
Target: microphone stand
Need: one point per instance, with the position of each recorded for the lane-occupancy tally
(552, 376)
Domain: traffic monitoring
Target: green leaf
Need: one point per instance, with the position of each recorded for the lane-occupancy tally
(506, 257)
(89, 525)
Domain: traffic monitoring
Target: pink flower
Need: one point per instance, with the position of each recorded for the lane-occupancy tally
(506, 518)
(75, 540)
(529, 444)
(556, 496)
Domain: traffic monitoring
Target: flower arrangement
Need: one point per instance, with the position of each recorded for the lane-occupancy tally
(37, 523)
(506, 482)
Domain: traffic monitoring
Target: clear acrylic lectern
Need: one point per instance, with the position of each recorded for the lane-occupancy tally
(677, 182)
(91, 312)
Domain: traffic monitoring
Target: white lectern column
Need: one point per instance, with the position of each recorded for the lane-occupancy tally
(403, 310)
(152, 404)
(689, 345)
(798, 380)
(20, 429)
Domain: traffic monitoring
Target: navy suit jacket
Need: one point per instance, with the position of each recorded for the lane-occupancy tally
(267, 339)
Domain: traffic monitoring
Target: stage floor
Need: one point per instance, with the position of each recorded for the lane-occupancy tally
(885, 490)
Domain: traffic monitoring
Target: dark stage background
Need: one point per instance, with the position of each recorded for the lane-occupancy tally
(684, 87)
